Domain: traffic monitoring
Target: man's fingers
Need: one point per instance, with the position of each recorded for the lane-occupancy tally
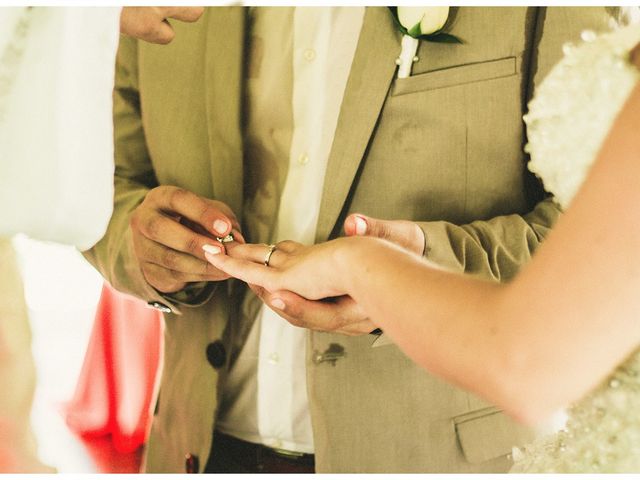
(166, 231)
(401, 232)
(170, 281)
(161, 278)
(356, 225)
(150, 23)
(146, 23)
(341, 315)
(183, 263)
(215, 217)
(237, 236)
(171, 230)
(196, 227)
(162, 33)
(184, 14)
(182, 277)
(360, 328)
(258, 290)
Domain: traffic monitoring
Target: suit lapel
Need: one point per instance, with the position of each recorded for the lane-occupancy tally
(224, 80)
(371, 74)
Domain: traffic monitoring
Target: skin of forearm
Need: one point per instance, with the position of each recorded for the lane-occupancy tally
(581, 316)
(446, 323)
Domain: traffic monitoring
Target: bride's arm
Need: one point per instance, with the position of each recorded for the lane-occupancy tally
(531, 346)
(552, 334)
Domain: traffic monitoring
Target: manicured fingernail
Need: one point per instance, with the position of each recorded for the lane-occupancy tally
(221, 227)
(361, 226)
(212, 249)
(277, 304)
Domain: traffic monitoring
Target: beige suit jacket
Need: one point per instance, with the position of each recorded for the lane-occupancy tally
(443, 147)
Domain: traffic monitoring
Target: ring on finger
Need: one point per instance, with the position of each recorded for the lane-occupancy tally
(227, 239)
(267, 257)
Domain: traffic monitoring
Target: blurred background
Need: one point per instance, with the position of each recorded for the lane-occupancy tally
(62, 292)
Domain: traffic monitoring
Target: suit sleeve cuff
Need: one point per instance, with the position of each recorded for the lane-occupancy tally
(193, 295)
(438, 246)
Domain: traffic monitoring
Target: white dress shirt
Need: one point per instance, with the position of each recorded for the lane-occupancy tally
(324, 44)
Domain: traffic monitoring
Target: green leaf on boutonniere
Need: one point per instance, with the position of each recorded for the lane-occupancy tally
(414, 31)
(443, 38)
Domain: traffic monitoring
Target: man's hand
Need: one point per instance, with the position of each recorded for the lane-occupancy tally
(403, 233)
(170, 228)
(337, 315)
(150, 23)
(342, 314)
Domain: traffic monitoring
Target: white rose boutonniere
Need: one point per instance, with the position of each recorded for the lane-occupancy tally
(419, 23)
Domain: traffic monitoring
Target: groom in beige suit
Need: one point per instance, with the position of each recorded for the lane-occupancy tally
(278, 123)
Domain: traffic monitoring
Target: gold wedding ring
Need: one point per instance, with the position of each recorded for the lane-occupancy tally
(227, 239)
(267, 257)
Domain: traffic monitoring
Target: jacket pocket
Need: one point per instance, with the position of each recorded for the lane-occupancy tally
(452, 76)
(488, 433)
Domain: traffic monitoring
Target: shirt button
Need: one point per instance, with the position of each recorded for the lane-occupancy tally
(303, 159)
(274, 358)
(309, 54)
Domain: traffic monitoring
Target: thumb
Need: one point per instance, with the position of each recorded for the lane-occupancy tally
(356, 224)
(403, 233)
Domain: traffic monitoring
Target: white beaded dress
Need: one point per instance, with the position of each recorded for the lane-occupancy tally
(571, 114)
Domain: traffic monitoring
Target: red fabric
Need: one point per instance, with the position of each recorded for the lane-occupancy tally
(8, 459)
(116, 390)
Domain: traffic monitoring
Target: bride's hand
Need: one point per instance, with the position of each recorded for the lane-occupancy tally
(311, 272)
(304, 285)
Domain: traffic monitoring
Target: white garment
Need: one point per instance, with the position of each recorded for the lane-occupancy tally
(56, 136)
(568, 120)
(324, 44)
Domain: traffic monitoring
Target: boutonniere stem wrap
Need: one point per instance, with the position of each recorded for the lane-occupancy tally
(419, 23)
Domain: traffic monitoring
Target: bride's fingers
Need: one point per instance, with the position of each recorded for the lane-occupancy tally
(243, 269)
(256, 253)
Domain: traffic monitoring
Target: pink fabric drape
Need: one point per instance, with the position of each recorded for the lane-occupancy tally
(116, 390)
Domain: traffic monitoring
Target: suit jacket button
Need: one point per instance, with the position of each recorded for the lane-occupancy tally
(191, 463)
(216, 354)
(159, 306)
